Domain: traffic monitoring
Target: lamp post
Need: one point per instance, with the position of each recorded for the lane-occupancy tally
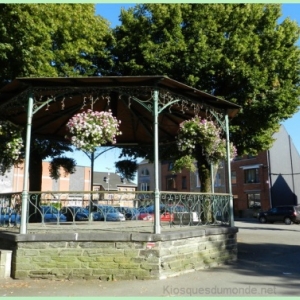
(106, 179)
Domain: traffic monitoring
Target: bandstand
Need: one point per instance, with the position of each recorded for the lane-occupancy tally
(150, 109)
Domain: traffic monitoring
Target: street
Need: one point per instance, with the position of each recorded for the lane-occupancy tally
(268, 265)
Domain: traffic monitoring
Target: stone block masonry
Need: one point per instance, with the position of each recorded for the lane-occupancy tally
(119, 255)
(5, 263)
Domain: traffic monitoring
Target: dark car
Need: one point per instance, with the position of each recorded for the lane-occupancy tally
(75, 213)
(288, 214)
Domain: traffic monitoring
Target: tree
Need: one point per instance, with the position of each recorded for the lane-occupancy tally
(236, 51)
(52, 40)
(200, 140)
(126, 168)
(11, 144)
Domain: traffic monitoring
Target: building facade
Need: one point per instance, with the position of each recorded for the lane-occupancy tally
(146, 176)
(268, 179)
(184, 181)
(259, 182)
(12, 182)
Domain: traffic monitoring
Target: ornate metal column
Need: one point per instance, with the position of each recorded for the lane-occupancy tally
(30, 113)
(225, 126)
(156, 164)
(23, 226)
(231, 221)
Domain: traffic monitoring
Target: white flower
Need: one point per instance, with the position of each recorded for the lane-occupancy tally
(93, 129)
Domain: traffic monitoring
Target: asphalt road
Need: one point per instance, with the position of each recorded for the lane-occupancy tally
(268, 265)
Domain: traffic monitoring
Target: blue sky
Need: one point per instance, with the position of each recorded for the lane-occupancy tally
(111, 12)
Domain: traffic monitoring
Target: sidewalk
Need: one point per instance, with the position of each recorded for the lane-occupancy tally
(268, 265)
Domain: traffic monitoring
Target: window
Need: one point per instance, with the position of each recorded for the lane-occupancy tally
(198, 183)
(238, 158)
(254, 200)
(171, 184)
(251, 175)
(170, 166)
(233, 177)
(145, 172)
(218, 181)
(145, 186)
(183, 183)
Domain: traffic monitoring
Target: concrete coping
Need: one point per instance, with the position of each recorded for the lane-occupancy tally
(113, 236)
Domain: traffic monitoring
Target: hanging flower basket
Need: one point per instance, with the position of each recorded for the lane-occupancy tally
(11, 144)
(91, 129)
(204, 133)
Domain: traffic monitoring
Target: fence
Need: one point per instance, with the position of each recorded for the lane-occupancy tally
(61, 208)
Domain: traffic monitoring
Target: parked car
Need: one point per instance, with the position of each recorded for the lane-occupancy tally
(147, 213)
(130, 213)
(166, 212)
(108, 213)
(78, 213)
(52, 214)
(9, 216)
(287, 214)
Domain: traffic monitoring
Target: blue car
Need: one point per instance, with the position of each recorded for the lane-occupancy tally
(9, 216)
(51, 214)
(108, 213)
(78, 213)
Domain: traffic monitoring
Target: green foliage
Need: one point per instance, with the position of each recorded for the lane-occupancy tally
(53, 40)
(235, 51)
(127, 168)
(41, 150)
(11, 145)
(186, 161)
(202, 133)
(200, 138)
(50, 40)
(68, 164)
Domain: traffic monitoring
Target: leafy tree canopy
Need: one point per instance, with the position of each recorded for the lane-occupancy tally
(52, 40)
(126, 168)
(236, 51)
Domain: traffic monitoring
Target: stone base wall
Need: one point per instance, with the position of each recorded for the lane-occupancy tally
(120, 256)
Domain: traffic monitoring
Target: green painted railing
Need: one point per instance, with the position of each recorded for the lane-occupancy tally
(176, 209)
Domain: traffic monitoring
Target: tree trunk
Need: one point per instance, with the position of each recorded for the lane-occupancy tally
(204, 173)
(206, 211)
(35, 185)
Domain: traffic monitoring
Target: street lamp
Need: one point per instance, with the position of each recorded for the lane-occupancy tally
(106, 179)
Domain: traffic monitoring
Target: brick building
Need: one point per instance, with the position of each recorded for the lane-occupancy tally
(12, 181)
(267, 180)
(263, 181)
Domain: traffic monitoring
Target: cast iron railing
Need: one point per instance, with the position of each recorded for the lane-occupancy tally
(61, 208)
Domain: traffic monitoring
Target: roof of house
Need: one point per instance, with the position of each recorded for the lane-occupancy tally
(114, 181)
